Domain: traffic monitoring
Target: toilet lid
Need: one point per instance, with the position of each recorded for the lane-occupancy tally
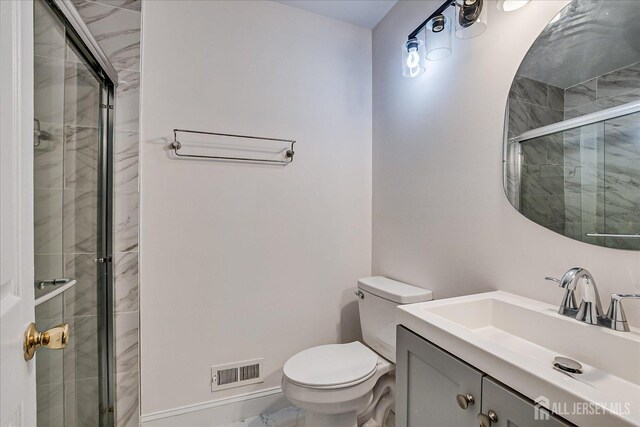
(331, 365)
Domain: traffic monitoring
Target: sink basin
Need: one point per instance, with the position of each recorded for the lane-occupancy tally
(515, 340)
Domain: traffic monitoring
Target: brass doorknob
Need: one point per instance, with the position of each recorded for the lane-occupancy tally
(55, 338)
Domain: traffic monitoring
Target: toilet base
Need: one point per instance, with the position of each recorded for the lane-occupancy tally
(350, 419)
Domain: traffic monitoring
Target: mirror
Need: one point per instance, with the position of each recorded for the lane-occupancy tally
(572, 126)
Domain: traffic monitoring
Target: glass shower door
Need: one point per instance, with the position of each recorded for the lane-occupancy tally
(70, 227)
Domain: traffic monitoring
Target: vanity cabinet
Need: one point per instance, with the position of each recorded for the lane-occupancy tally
(436, 389)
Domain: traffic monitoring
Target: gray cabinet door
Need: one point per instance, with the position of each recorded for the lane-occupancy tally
(514, 410)
(428, 381)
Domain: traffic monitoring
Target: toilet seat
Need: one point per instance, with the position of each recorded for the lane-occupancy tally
(332, 366)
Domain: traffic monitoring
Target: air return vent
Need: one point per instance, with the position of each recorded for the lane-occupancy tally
(236, 374)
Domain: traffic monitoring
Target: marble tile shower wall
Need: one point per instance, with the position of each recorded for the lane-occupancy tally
(617, 181)
(606, 91)
(66, 104)
(533, 104)
(116, 26)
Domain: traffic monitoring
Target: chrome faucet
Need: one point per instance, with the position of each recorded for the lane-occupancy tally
(590, 308)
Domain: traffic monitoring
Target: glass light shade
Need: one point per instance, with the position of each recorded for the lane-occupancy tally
(511, 5)
(471, 18)
(438, 38)
(413, 63)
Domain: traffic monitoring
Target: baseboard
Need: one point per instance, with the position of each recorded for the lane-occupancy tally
(219, 412)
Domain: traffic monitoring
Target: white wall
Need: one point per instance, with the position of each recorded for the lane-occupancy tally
(440, 216)
(245, 261)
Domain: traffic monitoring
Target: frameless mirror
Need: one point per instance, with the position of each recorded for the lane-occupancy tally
(572, 127)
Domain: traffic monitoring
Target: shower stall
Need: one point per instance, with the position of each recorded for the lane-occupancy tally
(73, 205)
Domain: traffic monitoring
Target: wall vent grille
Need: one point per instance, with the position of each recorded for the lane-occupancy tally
(249, 372)
(236, 374)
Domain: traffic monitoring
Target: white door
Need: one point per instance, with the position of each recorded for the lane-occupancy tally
(17, 377)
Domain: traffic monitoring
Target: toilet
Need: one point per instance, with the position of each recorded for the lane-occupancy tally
(353, 384)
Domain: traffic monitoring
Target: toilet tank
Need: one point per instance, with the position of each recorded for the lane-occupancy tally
(379, 298)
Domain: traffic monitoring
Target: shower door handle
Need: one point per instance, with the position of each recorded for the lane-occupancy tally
(103, 259)
(55, 338)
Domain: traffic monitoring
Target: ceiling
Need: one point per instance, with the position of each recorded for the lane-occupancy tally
(365, 13)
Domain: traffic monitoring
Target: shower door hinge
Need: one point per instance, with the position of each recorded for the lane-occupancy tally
(103, 259)
(110, 107)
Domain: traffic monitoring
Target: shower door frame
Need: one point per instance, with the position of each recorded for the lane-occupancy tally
(77, 35)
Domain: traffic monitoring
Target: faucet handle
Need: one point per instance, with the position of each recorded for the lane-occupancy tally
(552, 279)
(615, 313)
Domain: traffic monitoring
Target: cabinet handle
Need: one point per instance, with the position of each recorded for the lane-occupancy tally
(488, 418)
(465, 400)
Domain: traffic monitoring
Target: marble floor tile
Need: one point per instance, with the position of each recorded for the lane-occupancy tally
(80, 226)
(81, 299)
(81, 96)
(48, 90)
(126, 341)
(81, 152)
(126, 160)
(287, 417)
(48, 218)
(48, 32)
(127, 399)
(126, 281)
(126, 221)
(116, 30)
(48, 157)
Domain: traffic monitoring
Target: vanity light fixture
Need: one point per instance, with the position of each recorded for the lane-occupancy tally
(511, 5)
(470, 21)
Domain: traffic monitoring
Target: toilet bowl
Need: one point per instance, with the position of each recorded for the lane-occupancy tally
(350, 385)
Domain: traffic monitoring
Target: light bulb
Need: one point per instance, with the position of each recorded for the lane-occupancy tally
(511, 5)
(413, 59)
